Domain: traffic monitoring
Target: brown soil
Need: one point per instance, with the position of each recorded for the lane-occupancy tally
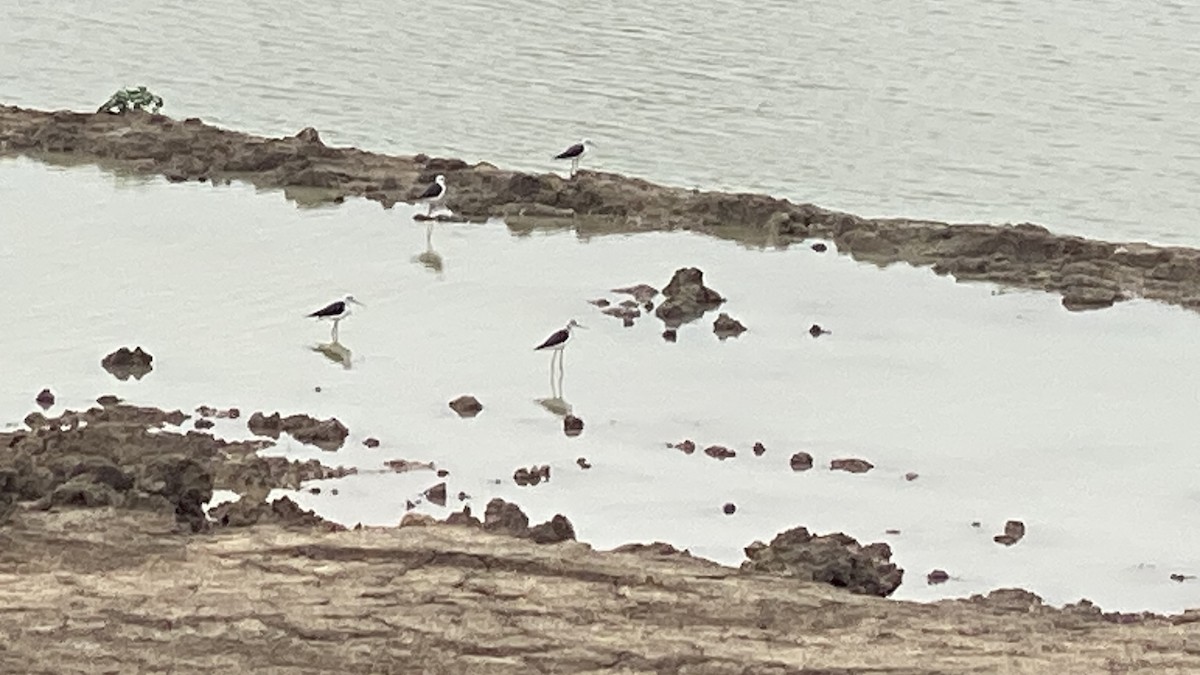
(1087, 273)
(107, 591)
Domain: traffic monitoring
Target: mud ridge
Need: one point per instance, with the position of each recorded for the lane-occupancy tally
(1087, 273)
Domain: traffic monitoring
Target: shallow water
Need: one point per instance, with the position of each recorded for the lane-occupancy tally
(1008, 406)
(1078, 114)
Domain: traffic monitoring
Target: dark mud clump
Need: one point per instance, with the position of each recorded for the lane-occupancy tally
(835, 559)
(726, 326)
(124, 363)
(801, 461)
(327, 434)
(45, 399)
(937, 577)
(532, 475)
(687, 298)
(851, 465)
(1014, 531)
(123, 456)
(719, 452)
(572, 426)
(759, 449)
(466, 406)
(687, 447)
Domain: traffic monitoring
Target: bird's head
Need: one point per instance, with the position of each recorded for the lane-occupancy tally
(573, 324)
(440, 180)
(351, 301)
(587, 143)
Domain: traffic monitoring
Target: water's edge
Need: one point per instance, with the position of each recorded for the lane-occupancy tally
(1088, 273)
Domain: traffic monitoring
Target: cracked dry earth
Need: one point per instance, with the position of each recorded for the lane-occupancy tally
(104, 591)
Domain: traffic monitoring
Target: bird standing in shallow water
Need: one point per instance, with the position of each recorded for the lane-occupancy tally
(556, 343)
(335, 312)
(436, 192)
(575, 153)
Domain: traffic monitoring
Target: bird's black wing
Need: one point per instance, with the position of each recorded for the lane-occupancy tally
(332, 309)
(555, 340)
(432, 191)
(571, 152)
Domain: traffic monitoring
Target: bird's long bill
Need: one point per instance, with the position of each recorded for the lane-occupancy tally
(358, 303)
(579, 325)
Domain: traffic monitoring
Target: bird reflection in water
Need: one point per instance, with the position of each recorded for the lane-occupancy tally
(430, 259)
(556, 404)
(335, 352)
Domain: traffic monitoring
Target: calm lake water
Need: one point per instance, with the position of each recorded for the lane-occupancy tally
(1008, 406)
(1078, 114)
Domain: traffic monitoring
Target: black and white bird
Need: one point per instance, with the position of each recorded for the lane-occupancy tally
(335, 312)
(557, 342)
(575, 153)
(433, 194)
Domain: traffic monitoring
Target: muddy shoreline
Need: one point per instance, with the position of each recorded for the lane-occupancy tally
(1088, 274)
(104, 550)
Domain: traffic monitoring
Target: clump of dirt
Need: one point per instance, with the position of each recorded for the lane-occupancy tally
(726, 326)
(850, 465)
(533, 475)
(466, 406)
(687, 298)
(836, 559)
(328, 435)
(125, 363)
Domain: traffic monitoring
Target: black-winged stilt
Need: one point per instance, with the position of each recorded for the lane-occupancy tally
(556, 343)
(335, 312)
(434, 193)
(575, 153)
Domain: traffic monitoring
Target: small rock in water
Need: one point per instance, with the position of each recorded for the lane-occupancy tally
(759, 449)
(317, 389)
(642, 293)
(851, 465)
(819, 247)
(204, 423)
(334, 491)
(532, 476)
(1182, 577)
(442, 473)
(670, 335)
(686, 446)
(719, 452)
(436, 494)
(314, 491)
(466, 406)
(125, 363)
(600, 302)
(1014, 531)
(937, 577)
(817, 331)
(583, 463)
(729, 508)
(801, 461)
(891, 531)
(726, 326)
(371, 442)
(462, 497)
(911, 476)
(976, 523)
(572, 426)
(45, 399)
(108, 400)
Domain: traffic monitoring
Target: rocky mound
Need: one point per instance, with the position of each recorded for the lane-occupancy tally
(835, 559)
(126, 456)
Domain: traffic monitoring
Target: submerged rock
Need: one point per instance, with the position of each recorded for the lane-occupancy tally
(466, 406)
(642, 293)
(730, 508)
(532, 476)
(436, 494)
(835, 559)
(124, 363)
(937, 577)
(817, 331)
(687, 298)
(685, 446)
(759, 449)
(719, 452)
(583, 463)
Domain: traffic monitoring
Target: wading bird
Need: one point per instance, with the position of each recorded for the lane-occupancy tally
(335, 312)
(556, 343)
(434, 193)
(575, 153)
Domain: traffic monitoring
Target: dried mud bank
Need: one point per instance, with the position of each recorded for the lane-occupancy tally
(105, 590)
(1087, 273)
